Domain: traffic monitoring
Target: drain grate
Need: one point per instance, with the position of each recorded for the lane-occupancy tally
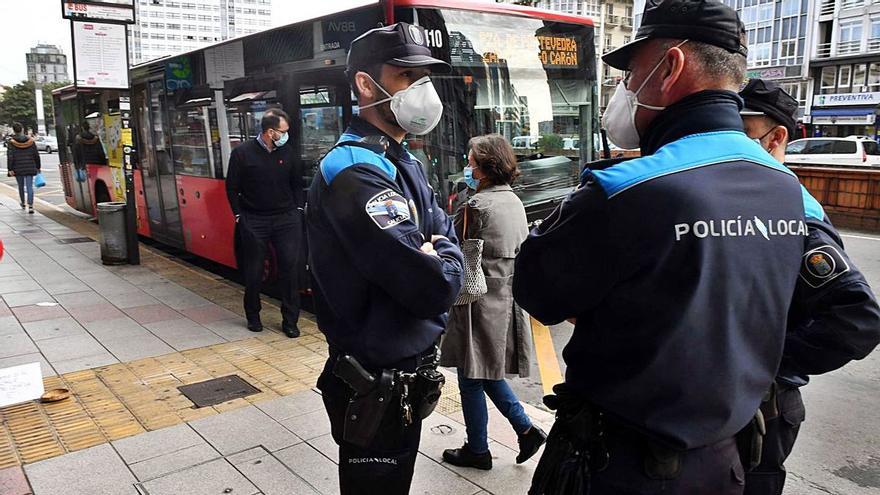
(74, 240)
(218, 390)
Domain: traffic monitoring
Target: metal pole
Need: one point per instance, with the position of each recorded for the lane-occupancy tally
(131, 238)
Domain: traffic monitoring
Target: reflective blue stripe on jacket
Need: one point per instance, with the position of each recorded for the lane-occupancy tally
(370, 209)
(679, 268)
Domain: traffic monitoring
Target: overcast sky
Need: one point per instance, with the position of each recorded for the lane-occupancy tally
(25, 24)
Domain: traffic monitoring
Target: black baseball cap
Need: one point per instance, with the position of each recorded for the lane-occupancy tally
(707, 21)
(400, 44)
(767, 98)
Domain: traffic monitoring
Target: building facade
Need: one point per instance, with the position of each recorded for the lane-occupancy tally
(846, 68)
(46, 64)
(614, 28)
(166, 27)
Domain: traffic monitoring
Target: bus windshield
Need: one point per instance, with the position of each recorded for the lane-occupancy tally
(530, 80)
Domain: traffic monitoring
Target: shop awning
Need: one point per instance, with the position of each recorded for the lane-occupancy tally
(843, 111)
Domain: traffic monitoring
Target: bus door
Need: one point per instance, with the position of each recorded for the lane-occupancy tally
(157, 165)
(324, 111)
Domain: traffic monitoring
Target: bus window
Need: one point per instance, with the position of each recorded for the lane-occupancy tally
(190, 136)
(244, 112)
(321, 119)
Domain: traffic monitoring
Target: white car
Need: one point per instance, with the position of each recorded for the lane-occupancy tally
(46, 143)
(851, 151)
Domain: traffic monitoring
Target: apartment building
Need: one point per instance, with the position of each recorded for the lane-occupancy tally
(846, 68)
(46, 64)
(166, 27)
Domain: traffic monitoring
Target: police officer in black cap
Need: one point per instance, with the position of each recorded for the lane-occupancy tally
(386, 264)
(834, 316)
(677, 269)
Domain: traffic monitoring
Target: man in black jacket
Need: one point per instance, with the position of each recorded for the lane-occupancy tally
(264, 186)
(87, 149)
(834, 316)
(23, 161)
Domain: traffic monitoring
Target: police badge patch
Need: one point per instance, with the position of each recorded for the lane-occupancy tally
(388, 209)
(822, 265)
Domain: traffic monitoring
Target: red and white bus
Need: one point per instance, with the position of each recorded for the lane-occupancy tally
(518, 71)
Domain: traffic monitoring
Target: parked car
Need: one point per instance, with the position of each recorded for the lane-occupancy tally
(46, 143)
(851, 151)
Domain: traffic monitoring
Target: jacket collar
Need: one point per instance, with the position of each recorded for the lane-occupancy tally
(706, 111)
(496, 188)
(374, 136)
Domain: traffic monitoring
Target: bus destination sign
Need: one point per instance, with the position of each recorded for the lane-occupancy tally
(554, 51)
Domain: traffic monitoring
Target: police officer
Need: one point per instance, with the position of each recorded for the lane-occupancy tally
(834, 316)
(263, 185)
(385, 262)
(677, 268)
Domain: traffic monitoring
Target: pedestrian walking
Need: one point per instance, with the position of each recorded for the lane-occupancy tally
(23, 162)
(834, 317)
(385, 262)
(264, 187)
(491, 337)
(677, 269)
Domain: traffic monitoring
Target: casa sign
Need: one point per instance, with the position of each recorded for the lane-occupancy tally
(844, 99)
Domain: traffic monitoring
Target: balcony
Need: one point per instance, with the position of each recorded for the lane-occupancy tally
(612, 20)
(874, 44)
(609, 48)
(627, 22)
(849, 47)
(827, 7)
(851, 4)
(823, 50)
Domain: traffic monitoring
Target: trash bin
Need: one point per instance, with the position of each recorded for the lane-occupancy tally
(111, 220)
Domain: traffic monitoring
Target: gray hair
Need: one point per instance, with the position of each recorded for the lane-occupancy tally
(715, 62)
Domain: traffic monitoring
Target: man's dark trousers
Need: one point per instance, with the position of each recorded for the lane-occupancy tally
(284, 232)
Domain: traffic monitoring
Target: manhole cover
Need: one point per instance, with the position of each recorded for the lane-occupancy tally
(74, 240)
(218, 390)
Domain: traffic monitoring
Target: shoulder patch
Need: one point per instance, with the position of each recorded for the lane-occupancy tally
(822, 265)
(387, 209)
(343, 157)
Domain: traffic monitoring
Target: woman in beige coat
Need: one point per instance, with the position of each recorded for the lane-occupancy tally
(491, 337)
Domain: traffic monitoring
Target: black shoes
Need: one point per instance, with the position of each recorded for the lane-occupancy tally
(31, 210)
(255, 325)
(464, 457)
(291, 331)
(529, 443)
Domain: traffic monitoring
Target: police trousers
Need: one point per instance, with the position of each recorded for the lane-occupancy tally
(386, 465)
(283, 234)
(768, 478)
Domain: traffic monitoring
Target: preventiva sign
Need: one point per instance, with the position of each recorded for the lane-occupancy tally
(843, 99)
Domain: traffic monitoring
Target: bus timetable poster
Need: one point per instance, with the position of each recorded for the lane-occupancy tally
(100, 57)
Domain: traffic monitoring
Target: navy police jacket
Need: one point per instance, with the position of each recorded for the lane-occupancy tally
(834, 317)
(679, 268)
(370, 209)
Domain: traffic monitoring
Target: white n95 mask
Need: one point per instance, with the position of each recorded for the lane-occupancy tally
(417, 107)
(619, 119)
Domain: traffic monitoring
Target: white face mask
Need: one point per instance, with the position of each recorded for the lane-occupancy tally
(417, 107)
(619, 119)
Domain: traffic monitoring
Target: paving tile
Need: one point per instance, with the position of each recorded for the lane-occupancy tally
(16, 345)
(243, 429)
(184, 334)
(96, 312)
(506, 475)
(50, 329)
(70, 347)
(318, 471)
(97, 470)
(131, 299)
(440, 432)
(115, 329)
(36, 313)
(231, 330)
(208, 314)
(10, 325)
(13, 482)
(65, 287)
(36, 357)
(162, 465)
(152, 313)
(272, 477)
(134, 347)
(309, 425)
(215, 477)
(431, 478)
(327, 446)
(293, 405)
(84, 363)
(79, 299)
(8, 286)
(157, 443)
(26, 298)
(4, 310)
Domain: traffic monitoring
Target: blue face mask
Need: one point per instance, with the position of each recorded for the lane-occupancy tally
(469, 178)
(281, 141)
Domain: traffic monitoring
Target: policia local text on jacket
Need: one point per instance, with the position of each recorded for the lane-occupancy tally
(679, 268)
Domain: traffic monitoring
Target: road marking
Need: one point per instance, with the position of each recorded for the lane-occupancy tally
(548, 365)
(867, 238)
(36, 199)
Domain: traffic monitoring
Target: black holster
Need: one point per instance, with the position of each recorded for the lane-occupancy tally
(750, 440)
(425, 390)
(368, 404)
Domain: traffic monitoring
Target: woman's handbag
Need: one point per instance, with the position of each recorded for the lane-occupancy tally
(39, 181)
(473, 284)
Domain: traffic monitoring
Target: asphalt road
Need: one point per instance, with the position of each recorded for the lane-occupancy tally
(52, 192)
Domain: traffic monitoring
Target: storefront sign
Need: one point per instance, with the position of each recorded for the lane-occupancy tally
(100, 55)
(84, 10)
(768, 73)
(844, 119)
(843, 99)
(178, 73)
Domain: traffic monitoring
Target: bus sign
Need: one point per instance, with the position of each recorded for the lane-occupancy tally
(86, 10)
